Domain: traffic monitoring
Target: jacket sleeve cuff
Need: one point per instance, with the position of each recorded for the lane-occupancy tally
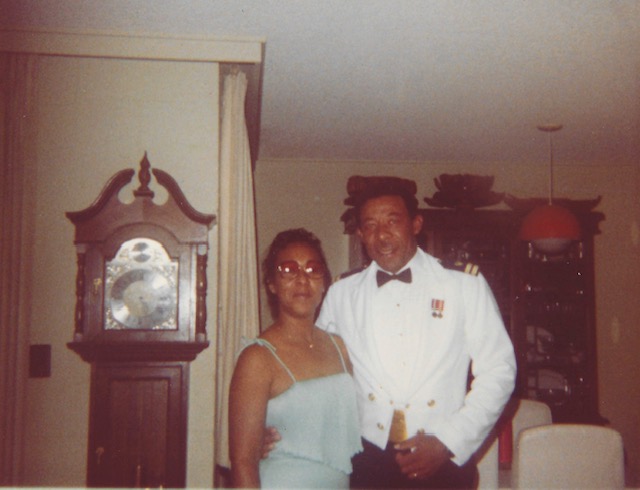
(456, 445)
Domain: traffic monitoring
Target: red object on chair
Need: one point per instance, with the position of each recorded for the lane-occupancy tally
(505, 446)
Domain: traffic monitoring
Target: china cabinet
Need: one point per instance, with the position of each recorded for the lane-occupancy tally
(554, 325)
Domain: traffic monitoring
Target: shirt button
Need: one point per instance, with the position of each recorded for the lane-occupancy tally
(380, 426)
(372, 396)
(431, 403)
(407, 406)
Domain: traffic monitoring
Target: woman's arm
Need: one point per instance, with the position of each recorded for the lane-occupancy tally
(248, 398)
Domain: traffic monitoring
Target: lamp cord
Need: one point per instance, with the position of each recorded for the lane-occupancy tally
(550, 128)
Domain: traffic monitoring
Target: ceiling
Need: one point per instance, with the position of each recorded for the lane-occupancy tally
(413, 80)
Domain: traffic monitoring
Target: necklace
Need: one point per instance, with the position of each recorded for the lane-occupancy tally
(310, 343)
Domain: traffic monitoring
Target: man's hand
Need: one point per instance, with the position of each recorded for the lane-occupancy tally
(271, 436)
(421, 455)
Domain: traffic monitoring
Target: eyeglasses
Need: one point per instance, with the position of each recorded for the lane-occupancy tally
(290, 269)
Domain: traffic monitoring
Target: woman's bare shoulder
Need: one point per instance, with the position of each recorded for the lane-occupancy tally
(255, 356)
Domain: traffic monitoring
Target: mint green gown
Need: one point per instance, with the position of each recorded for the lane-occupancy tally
(318, 421)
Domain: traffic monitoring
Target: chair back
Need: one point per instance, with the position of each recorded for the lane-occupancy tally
(530, 413)
(568, 456)
(521, 414)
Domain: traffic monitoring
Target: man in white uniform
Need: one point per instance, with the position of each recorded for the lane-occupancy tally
(412, 336)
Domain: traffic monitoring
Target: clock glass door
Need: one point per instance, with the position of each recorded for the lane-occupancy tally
(141, 287)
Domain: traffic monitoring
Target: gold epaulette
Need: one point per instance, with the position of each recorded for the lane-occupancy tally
(466, 267)
(470, 268)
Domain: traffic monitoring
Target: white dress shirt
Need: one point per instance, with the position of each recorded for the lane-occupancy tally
(397, 318)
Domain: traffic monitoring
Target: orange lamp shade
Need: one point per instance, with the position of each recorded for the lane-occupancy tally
(550, 227)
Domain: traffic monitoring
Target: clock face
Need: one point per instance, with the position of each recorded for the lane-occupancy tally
(141, 287)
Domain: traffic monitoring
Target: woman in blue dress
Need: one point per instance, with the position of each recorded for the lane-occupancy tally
(296, 378)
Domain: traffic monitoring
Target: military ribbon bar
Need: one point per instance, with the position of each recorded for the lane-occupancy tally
(437, 308)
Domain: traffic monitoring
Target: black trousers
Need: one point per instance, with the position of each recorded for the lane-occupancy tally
(377, 468)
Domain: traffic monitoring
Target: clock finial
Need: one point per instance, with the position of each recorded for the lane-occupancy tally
(144, 176)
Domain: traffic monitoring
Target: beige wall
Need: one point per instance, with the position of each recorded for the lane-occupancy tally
(310, 194)
(96, 117)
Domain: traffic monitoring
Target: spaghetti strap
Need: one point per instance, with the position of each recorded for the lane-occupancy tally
(344, 366)
(272, 349)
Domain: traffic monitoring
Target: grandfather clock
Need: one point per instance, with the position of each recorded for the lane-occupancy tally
(139, 320)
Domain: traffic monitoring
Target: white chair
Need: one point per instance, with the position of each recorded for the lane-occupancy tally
(521, 414)
(568, 456)
(529, 413)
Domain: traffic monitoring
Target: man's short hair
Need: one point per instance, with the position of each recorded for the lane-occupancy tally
(386, 187)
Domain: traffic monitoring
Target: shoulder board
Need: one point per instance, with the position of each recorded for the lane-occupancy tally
(350, 273)
(466, 267)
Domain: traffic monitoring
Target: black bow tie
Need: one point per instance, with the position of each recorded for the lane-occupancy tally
(383, 278)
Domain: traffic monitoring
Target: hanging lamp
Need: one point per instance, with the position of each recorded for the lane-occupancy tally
(550, 227)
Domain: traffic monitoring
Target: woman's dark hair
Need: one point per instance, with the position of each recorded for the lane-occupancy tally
(279, 243)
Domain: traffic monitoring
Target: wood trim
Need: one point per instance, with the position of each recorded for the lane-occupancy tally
(138, 351)
(152, 47)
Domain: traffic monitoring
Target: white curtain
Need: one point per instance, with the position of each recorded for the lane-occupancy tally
(238, 269)
(17, 82)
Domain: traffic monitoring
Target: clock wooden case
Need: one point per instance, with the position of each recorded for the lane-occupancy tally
(141, 278)
(140, 319)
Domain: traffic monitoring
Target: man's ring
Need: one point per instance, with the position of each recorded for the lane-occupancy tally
(414, 475)
(413, 449)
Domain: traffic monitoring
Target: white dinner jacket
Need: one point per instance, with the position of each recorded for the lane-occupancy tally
(469, 330)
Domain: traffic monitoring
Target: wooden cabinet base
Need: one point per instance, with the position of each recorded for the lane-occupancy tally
(138, 425)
